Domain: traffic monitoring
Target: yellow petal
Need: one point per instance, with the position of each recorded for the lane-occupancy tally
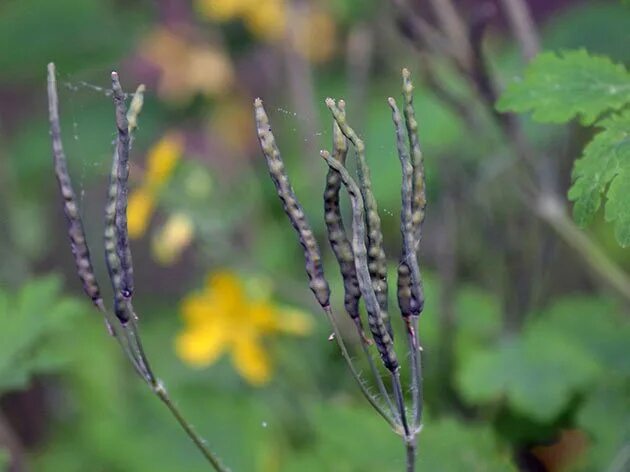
(198, 309)
(201, 347)
(295, 322)
(228, 293)
(175, 236)
(267, 19)
(162, 159)
(262, 317)
(222, 10)
(315, 36)
(139, 210)
(251, 360)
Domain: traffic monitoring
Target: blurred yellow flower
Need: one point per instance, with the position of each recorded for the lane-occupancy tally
(175, 236)
(187, 67)
(139, 210)
(226, 318)
(224, 10)
(315, 36)
(265, 19)
(161, 161)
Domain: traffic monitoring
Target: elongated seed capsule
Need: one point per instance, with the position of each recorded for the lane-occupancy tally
(293, 209)
(419, 201)
(409, 283)
(122, 149)
(337, 237)
(378, 327)
(376, 255)
(76, 233)
(121, 308)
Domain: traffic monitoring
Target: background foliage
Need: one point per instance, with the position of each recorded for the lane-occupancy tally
(526, 353)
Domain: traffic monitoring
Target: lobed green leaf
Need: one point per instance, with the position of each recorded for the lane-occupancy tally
(605, 168)
(558, 87)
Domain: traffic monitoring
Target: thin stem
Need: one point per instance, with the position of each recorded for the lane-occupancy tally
(355, 374)
(400, 401)
(377, 375)
(410, 446)
(416, 372)
(162, 394)
(551, 210)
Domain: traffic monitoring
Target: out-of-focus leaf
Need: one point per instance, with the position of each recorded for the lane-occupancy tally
(559, 87)
(605, 416)
(537, 375)
(73, 34)
(605, 167)
(29, 320)
(445, 445)
(560, 354)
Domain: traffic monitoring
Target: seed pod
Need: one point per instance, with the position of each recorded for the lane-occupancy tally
(378, 327)
(121, 308)
(377, 261)
(336, 231)
(122, 149)
(293, 209)
(419, 201)
(409, 284)
(76, 233)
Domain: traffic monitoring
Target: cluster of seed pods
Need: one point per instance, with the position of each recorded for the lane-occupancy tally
(362, 261)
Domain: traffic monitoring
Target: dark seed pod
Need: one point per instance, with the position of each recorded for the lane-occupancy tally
(293, 209)
(122, 149)
(76, 233)
(377, 261)
(409, 284)
(419, 201)
(121, 308)
(378, 327)
(337, 237)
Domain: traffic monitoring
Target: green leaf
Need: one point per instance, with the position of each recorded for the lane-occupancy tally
(605, 168)
(31, 320)
(341, 434)
(537, 374)
(558, 87)
(561, 352)
(605, 416)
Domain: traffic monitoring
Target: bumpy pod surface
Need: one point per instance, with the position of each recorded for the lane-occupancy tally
(122, 309)
(377, 261)
(122, 149)
(378, 327)
(419, 201)
(409, 285)
(337, 236)
(292, 207)
(76, 233)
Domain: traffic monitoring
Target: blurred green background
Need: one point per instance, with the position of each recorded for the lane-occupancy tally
(526, 354)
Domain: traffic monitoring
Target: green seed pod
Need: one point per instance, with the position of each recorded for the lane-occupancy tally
(336, 231)
(377, 261)
(378, 327)
(409, 284)
(122, 149)
(293, 209)
(76, 233)
(419, 201)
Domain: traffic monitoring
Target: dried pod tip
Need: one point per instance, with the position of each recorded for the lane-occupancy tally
(406, 74)
(341, 104)
(258, 102)
(391, 101)
(330, 103)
